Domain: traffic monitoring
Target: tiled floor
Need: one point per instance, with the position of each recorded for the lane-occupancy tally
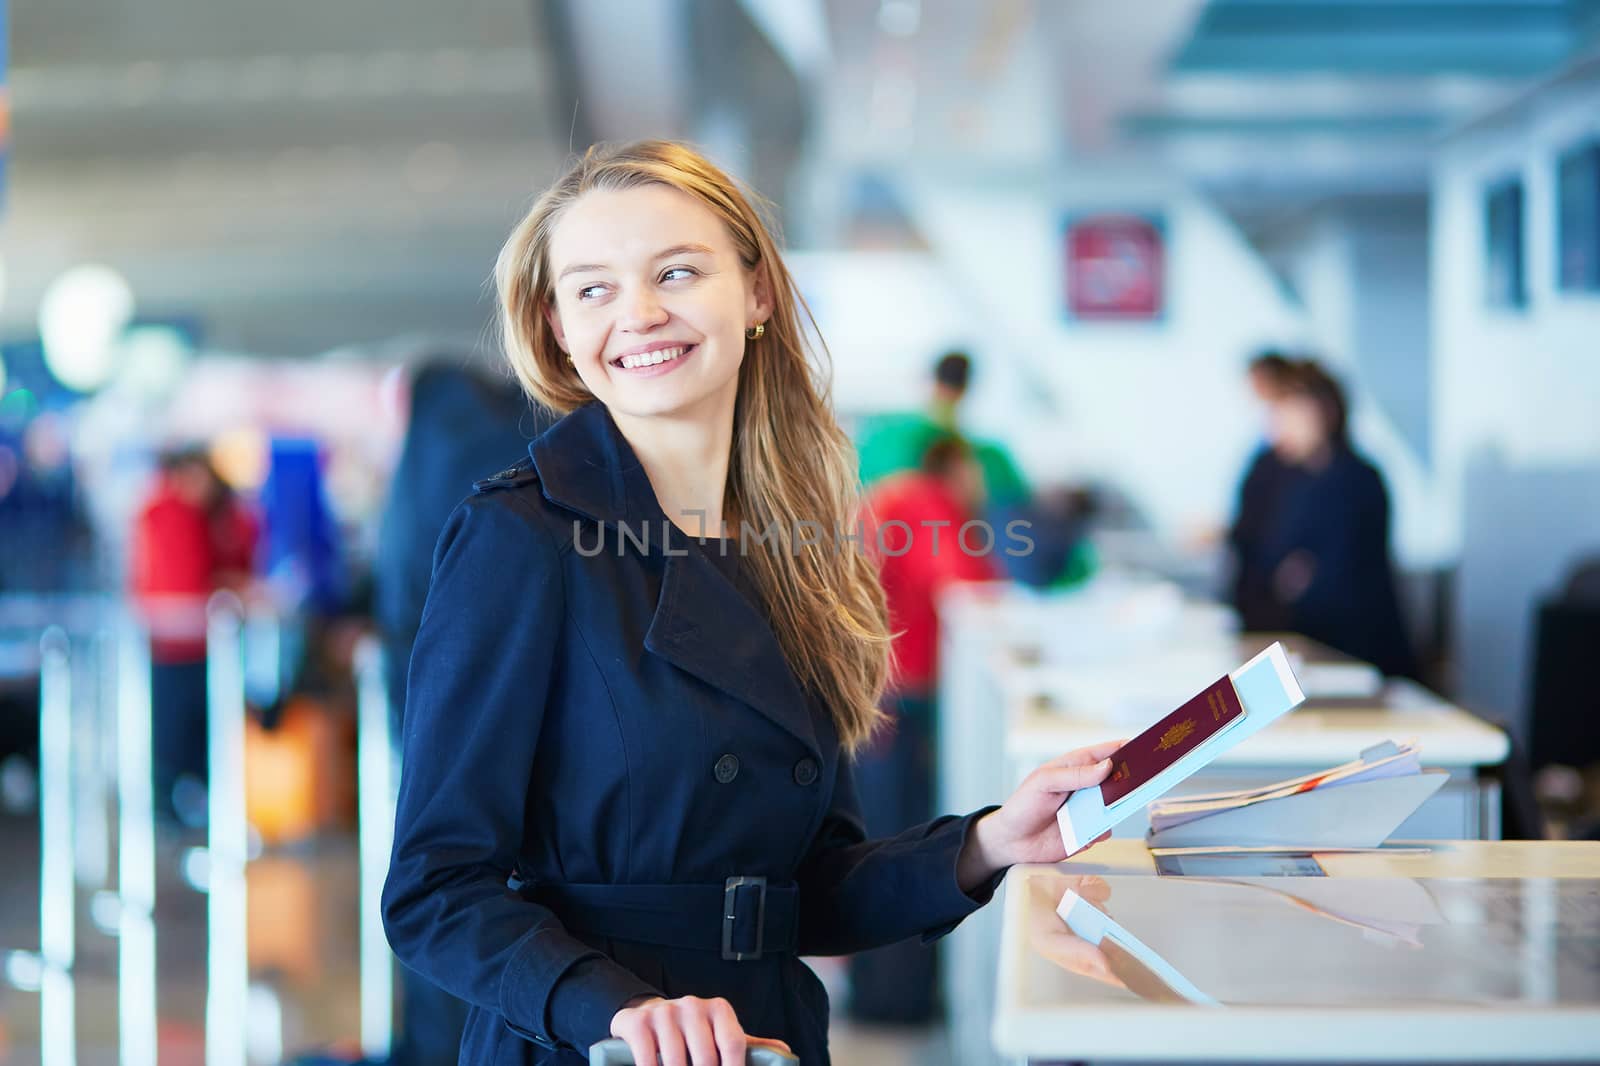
(305, 979)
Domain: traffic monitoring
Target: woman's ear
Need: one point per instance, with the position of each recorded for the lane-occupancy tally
(553, 316)
(758, 304)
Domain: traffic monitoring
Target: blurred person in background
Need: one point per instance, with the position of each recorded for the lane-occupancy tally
(191, 538)
(49, 546)
(464, 425)
(1260, 498)
(1061, 553)
(914, 521)
(1327, 548)
(893, 443)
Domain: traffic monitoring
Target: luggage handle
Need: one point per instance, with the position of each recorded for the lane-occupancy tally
(616, 1053)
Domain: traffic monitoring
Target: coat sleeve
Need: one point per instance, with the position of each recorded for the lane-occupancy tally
(479, 679)
(857, 894)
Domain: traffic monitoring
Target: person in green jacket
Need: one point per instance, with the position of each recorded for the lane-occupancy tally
(893, 443)
(896, 442)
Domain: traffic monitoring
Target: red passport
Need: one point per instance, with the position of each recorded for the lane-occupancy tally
(1164, 743)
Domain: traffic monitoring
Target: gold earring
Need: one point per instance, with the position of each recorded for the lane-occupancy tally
(754, 332)
(571, 360)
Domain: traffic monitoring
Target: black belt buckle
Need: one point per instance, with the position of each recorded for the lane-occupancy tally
(730, 908)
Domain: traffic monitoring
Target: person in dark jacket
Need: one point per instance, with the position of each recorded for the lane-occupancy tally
(1260, 495)
(464, 424)
(627, 806)
(1328, 549)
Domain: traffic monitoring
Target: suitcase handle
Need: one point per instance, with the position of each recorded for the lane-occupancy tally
(616, 1053)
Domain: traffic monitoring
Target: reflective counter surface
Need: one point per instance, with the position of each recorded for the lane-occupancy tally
(1375, 968)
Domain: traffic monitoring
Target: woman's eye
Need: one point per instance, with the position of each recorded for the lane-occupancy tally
(589, 291)
(666, 275)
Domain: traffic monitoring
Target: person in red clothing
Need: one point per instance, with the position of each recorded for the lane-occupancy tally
(913, 526)
(191, 538)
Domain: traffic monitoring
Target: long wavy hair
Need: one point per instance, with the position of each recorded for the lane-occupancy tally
(792, 469)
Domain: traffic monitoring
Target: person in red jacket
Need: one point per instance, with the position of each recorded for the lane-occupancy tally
(914, 527)
(191, 538)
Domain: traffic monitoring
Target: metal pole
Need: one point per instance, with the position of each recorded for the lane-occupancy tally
(375, 791)
(93, 840)
(57, 898)
(228, 964)
(136, 851)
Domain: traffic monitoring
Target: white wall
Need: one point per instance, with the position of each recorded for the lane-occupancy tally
(1526, 383)
(1361, 270)
(1159, 409)
(1517, 393)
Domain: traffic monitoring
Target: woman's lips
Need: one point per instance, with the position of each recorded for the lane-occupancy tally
(656, 369)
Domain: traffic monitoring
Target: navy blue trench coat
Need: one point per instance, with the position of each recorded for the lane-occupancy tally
(614, 784)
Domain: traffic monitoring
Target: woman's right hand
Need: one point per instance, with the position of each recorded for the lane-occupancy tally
(689, 1031)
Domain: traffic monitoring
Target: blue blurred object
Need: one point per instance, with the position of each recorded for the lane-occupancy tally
(301, 547)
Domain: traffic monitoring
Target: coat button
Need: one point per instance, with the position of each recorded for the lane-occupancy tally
(805, 771)
(727, 768)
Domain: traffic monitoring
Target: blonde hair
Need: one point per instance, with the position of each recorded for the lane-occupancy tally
(791, 466)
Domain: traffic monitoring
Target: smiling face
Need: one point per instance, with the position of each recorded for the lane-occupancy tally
(651, 302)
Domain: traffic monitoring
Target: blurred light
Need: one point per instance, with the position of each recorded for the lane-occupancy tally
(151, 360)
(241, 458)
(900, 18)
(2, 375)
(82, 314)
(17, 407)
(2, 305)
(196, 868)
(24, 971)
(46, 445)
(105, 911)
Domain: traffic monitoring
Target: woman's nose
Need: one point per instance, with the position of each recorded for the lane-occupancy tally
(642, 310)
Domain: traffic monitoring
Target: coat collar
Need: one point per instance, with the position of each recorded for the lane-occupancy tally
(703, 624)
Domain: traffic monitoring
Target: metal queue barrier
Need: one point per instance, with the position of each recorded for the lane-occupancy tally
(136, 850)
(95, 728)
(94, 746)
(57, 893)
(377, 780)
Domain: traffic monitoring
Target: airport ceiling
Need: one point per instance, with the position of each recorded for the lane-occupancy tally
(347, 170)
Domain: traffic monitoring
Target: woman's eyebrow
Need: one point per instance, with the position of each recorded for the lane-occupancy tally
(677, 249)
(685, 249)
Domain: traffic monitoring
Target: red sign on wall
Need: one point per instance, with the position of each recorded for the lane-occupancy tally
(1116, 267)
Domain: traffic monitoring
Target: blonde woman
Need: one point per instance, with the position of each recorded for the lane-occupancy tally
(648, 652)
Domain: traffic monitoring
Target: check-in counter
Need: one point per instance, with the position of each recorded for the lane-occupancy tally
(1025, 677)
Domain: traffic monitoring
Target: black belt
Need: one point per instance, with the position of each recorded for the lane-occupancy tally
(744, 917)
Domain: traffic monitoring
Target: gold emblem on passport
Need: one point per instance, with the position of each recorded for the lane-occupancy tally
(1176, 735)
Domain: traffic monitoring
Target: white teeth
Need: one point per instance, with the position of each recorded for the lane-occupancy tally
(633, 362)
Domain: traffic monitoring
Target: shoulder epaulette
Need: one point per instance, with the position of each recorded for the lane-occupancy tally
(519, 473)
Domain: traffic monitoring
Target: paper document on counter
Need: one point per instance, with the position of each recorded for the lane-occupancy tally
(1379, 761)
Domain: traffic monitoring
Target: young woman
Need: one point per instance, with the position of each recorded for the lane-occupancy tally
(1328, 547)
(627, 806)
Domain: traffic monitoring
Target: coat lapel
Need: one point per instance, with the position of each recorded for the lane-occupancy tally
(702, 624)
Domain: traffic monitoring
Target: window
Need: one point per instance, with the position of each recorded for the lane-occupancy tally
(1507, 282)
(1578, 219)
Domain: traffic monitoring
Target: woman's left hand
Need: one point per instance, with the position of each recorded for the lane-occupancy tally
(1025, 829)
